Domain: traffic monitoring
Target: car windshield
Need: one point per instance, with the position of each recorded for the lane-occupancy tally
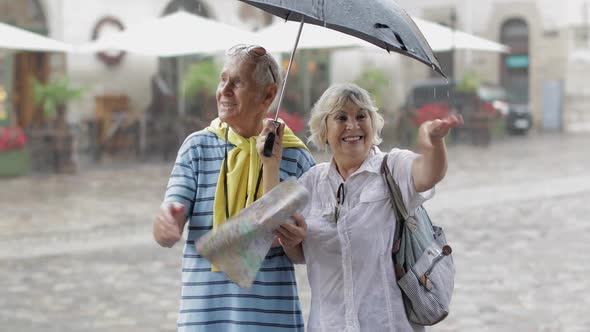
(431, 94)
(493, 93)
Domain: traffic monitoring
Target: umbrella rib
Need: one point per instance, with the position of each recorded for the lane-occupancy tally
(397, 36)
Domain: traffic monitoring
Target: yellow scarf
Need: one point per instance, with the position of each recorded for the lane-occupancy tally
(243, 165)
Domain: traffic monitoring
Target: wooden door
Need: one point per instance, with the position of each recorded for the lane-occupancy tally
(27, 67)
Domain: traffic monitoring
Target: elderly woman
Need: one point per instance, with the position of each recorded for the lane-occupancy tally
(350, 221)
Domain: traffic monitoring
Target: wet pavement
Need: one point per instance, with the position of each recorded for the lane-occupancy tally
(76, 252)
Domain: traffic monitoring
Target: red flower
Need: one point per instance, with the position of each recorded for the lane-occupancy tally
(429, 112)
(293, 121)
(12, 138)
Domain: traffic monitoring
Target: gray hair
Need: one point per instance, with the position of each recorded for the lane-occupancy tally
(334, 99)
(266, 66)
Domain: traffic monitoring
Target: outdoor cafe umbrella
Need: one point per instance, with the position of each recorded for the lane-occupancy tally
(439, 37)
(13, 38)
(379, 22)
(176, 34)
(442, 38)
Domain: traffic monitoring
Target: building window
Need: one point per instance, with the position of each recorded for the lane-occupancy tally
(514, 68)
(581, 36)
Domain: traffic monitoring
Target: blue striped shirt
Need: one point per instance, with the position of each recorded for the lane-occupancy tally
(210, 301)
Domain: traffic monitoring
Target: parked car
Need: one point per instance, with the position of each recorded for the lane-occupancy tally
(517, 114)
(431, 98)
(436, 99)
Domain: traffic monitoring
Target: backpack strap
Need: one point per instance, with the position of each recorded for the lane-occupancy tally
(394, 191)
(401, 215)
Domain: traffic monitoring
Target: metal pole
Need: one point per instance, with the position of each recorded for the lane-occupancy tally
(179, 71)
(453, 27)
(289, 69)
(270, 138)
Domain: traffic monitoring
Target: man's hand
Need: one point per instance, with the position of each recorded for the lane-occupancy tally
(292, 235)
(169, 224)
(277, 151)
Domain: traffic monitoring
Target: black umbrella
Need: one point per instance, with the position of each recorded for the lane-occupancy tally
(379, 22)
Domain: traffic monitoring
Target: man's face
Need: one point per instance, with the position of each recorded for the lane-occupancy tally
(240, 102)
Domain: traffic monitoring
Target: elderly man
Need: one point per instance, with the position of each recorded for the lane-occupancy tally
(219, 171)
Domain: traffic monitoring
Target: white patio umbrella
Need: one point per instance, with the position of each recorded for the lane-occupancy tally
(174, 35)
(177, 34)
(442, 38)
(13, 38)
(439, 37)
(275, 37)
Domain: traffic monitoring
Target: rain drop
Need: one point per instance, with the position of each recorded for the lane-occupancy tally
(434, 90)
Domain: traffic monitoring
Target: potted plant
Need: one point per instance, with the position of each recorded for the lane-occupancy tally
(376, 83)
(199, 84)
(53, 97)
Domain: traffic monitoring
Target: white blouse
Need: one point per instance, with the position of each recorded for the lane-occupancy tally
(349, 266)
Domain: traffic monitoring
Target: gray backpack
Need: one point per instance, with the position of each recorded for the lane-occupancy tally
(422, 260)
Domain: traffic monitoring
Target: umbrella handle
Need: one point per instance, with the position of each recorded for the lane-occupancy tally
(268, 144)
(270, 140)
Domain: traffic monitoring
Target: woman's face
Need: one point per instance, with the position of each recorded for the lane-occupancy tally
(350, 132)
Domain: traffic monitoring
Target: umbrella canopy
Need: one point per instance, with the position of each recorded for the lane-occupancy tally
(177, 34)
(14, 38)
(439, 37)
(379, 22)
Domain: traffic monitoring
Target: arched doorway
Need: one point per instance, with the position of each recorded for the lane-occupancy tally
(20, 68)
(514, 68)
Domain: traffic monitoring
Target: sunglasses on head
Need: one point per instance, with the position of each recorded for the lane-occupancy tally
(253, 52)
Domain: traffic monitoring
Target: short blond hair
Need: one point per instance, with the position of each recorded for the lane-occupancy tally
(334, 99)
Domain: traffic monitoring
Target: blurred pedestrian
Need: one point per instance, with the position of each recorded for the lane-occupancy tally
(217, 173)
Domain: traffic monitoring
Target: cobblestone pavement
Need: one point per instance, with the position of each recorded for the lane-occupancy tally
(76, 252)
